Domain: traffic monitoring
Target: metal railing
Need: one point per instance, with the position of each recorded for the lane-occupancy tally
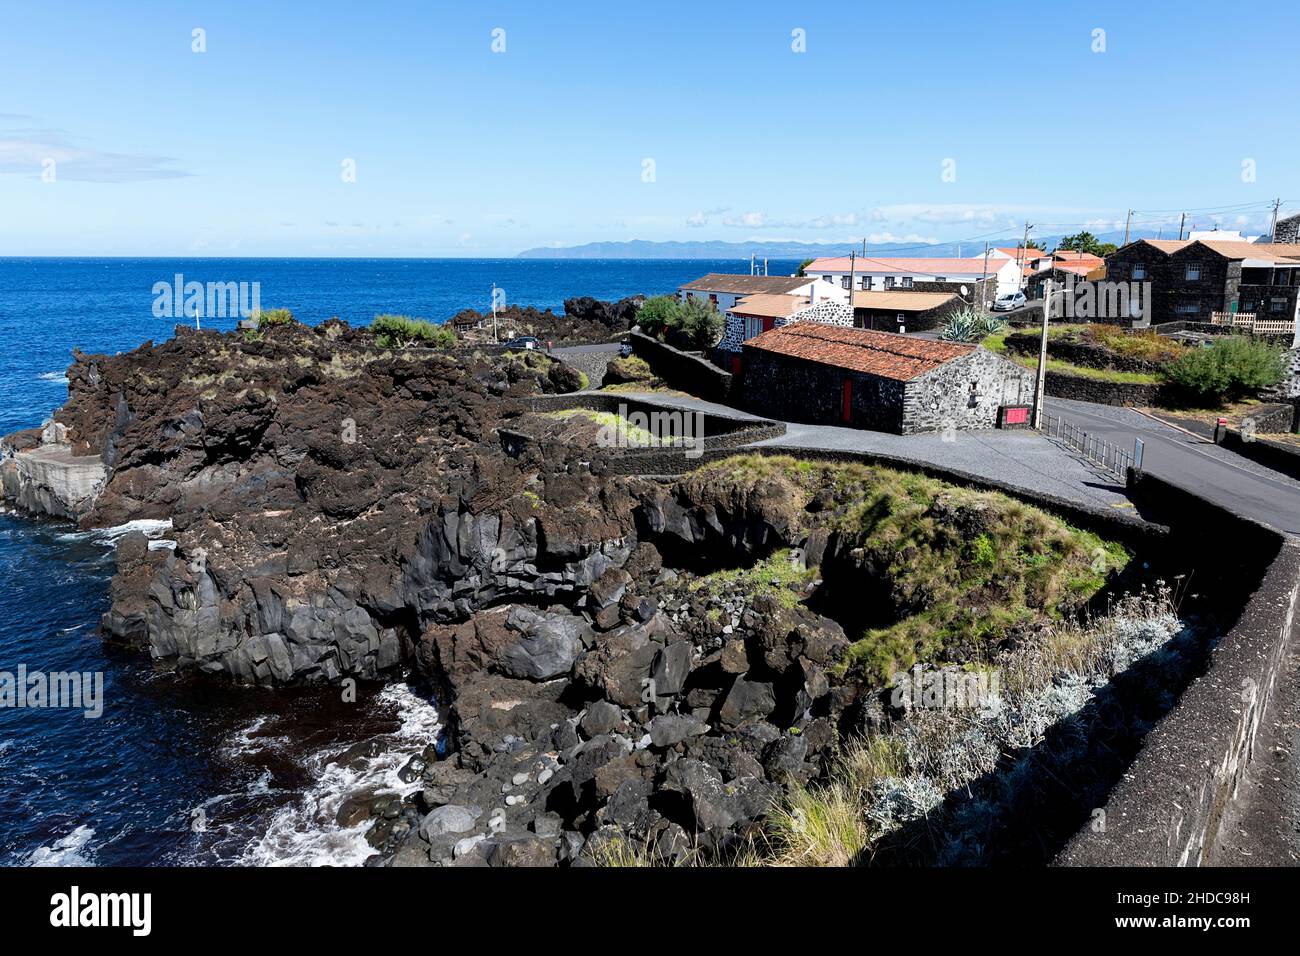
(1107, 456)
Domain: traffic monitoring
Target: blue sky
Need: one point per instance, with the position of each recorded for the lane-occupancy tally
(463, 151)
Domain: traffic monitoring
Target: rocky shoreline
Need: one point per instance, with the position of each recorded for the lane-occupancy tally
(621, 665)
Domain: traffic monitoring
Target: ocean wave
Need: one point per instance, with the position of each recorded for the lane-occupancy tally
(307, 832)
(71, 850)
(149, 527)
(60, 377)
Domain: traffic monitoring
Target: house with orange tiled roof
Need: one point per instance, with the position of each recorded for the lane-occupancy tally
(859, 378)
(932, 274)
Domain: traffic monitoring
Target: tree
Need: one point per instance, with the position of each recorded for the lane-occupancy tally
(1087, 242)
(701, 320)
(658, 314)
(804, 265)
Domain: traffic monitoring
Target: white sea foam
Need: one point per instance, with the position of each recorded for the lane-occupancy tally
(306, 833)
(58, 377)
(149, 527)
(71, 850)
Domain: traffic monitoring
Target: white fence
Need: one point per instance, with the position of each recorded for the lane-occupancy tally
(1100, 452)
(1250, 322)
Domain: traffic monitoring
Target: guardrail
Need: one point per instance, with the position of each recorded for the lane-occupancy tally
(1107, 456)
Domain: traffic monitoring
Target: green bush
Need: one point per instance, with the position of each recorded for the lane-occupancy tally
(1226, 371)
(658, 314)
(401, 331)
(701, 320)
(266, 319)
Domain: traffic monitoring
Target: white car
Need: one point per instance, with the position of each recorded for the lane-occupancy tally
(1008, 301)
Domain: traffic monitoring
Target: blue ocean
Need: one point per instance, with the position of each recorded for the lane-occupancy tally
(181, 771)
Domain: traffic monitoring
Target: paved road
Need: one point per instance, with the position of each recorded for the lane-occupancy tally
(584, 349)
(1194, 463)
(1018, 458)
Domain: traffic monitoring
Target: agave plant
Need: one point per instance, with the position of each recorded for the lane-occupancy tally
(970, 325)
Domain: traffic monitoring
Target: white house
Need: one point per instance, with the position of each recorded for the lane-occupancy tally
(724, 290)
(886, 274)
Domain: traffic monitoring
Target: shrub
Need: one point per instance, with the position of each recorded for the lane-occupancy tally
(702, 322)
(1227, 371)
(658, 314)
(401, 331)
(266, 319)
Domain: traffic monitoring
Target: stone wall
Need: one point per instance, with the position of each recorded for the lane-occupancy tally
(680, 370)
(794, 390)
(1064, 385)
(965, 393)
(1170, 806)
(1281, 456)
(1086, 354)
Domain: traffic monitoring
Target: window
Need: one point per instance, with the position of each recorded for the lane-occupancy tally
(1278, 305)
(1248, 305)
(940, 278)
(826, 278)
(901, 318)
(1139, 270)
(1193, 272)
(713, 298)
(907, 282)
(844, 282)
(865, 283)
(889, 282)
(1188, 308)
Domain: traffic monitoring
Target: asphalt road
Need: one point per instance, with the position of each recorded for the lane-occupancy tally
(1194, 463)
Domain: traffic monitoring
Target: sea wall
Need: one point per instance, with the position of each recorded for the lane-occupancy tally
(49, 479)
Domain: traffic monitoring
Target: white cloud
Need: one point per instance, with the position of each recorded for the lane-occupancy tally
(27, 151)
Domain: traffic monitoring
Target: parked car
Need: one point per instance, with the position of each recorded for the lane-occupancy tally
(524, 342)
(1008, 301)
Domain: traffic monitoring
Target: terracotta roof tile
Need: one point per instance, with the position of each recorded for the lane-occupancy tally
(883, 354)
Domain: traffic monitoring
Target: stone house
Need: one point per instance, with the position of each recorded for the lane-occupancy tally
(903, 311)
(1191, 280)
(886, 274)
(828, 375)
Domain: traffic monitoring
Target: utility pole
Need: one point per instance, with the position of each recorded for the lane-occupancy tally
(1181, 222)
(1128, 220)
(852, 269)
(1272, 228)
(1023, 257)
(864, 247)
(496, 335)
(1040, 379)
(985, 277)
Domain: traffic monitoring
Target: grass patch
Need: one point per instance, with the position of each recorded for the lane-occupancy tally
(635, 435)
(1083, 371)
(780, 575)
(961, 569)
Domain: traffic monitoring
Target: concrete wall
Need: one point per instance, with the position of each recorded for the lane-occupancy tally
(1169, 807)
(50, 480)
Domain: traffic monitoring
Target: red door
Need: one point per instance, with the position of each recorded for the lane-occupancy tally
(769, 324)
(846, 402)
(735, 365)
